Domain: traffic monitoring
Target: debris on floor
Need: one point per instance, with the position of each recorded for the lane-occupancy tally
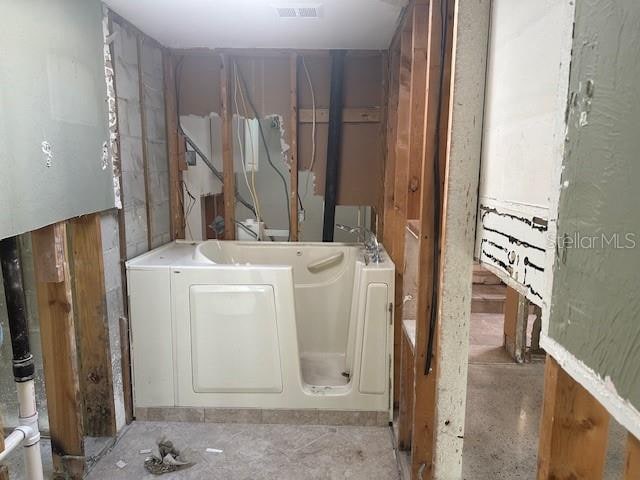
(169, 459)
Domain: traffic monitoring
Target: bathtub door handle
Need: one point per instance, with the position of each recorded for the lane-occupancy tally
(325, 263)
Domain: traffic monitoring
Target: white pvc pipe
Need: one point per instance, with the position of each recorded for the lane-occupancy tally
(29, 418)
(13, 441)
(27, 432)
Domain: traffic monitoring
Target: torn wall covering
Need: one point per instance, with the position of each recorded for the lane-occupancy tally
(53, 130)
(267, 78)
(595, 308)
(523, 140)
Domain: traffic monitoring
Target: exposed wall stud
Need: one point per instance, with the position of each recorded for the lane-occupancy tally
(573, 429)
(59, 354)
(227, 151)
(293, 156)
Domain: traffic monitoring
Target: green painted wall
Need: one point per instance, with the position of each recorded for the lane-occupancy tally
(52, 96)
(595, 311)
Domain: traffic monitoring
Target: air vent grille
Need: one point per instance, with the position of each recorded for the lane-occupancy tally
(299, 11)
(286, 12)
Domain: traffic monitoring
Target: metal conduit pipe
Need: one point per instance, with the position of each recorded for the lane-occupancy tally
(27, 432)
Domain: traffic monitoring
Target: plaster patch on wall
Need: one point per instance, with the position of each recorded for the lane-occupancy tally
(112, 111)
(278, 122)
(47, 152)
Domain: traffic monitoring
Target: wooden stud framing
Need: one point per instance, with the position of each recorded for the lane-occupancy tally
(4, 470)
(390, 159)
(91, 322)
(397, 226)
(177, 221)
(573, 429)
(293, 157)
(516, 314)
(349, 115)
(417, 103)
(435, 144)
(632, 464)
(59, 352)
(145, 147)
(227, 152)
(122, 246)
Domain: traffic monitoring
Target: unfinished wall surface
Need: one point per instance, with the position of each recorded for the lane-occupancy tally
(267, 80)
(595, 305)
(523, 139)
(115, 304)
(53, 157)
(142, 137)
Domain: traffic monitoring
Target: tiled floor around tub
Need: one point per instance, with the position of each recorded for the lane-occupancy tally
(295, 452)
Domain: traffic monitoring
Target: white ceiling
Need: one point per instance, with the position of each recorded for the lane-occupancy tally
(352, 24)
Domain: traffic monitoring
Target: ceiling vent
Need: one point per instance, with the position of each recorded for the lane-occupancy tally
(299, 11)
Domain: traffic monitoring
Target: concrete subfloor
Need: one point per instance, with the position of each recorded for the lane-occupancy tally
(501, 438)
(281, 452)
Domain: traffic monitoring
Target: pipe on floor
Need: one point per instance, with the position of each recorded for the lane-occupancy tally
(27, 432)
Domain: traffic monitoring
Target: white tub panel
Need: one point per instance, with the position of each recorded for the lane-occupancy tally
(151, 337)
(373, 375)
(234, 339)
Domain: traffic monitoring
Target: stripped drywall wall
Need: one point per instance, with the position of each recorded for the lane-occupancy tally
(54, 117)
(523, 139)
(144, 166)
(595, 305)
(115, 305)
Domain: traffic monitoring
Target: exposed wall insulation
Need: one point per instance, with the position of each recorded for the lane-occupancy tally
(54, 118)
(593, 328)
(529, 53)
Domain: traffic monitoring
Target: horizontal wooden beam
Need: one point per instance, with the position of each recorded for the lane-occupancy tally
(349, 115)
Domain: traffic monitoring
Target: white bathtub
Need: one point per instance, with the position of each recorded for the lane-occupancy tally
(261, 325)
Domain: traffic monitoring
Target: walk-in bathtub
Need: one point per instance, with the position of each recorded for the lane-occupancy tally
(261, 325)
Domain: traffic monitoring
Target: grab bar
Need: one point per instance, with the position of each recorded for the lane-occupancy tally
(325, 263)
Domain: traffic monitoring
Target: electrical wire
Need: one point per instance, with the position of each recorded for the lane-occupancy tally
(253, 153)
(266, 147)
(444, 8)
(313, 129)
(252, 193)
(192, 144)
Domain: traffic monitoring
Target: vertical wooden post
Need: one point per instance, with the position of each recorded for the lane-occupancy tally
(573, 429)
(96, 383)
(430, 222)
(399, 222)
(390, 159)
(228, 172)
(417, 102)
(173, 147)
(293, 201)
(145, 146)
(632, 465)
(59, 350)
(516, 314)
